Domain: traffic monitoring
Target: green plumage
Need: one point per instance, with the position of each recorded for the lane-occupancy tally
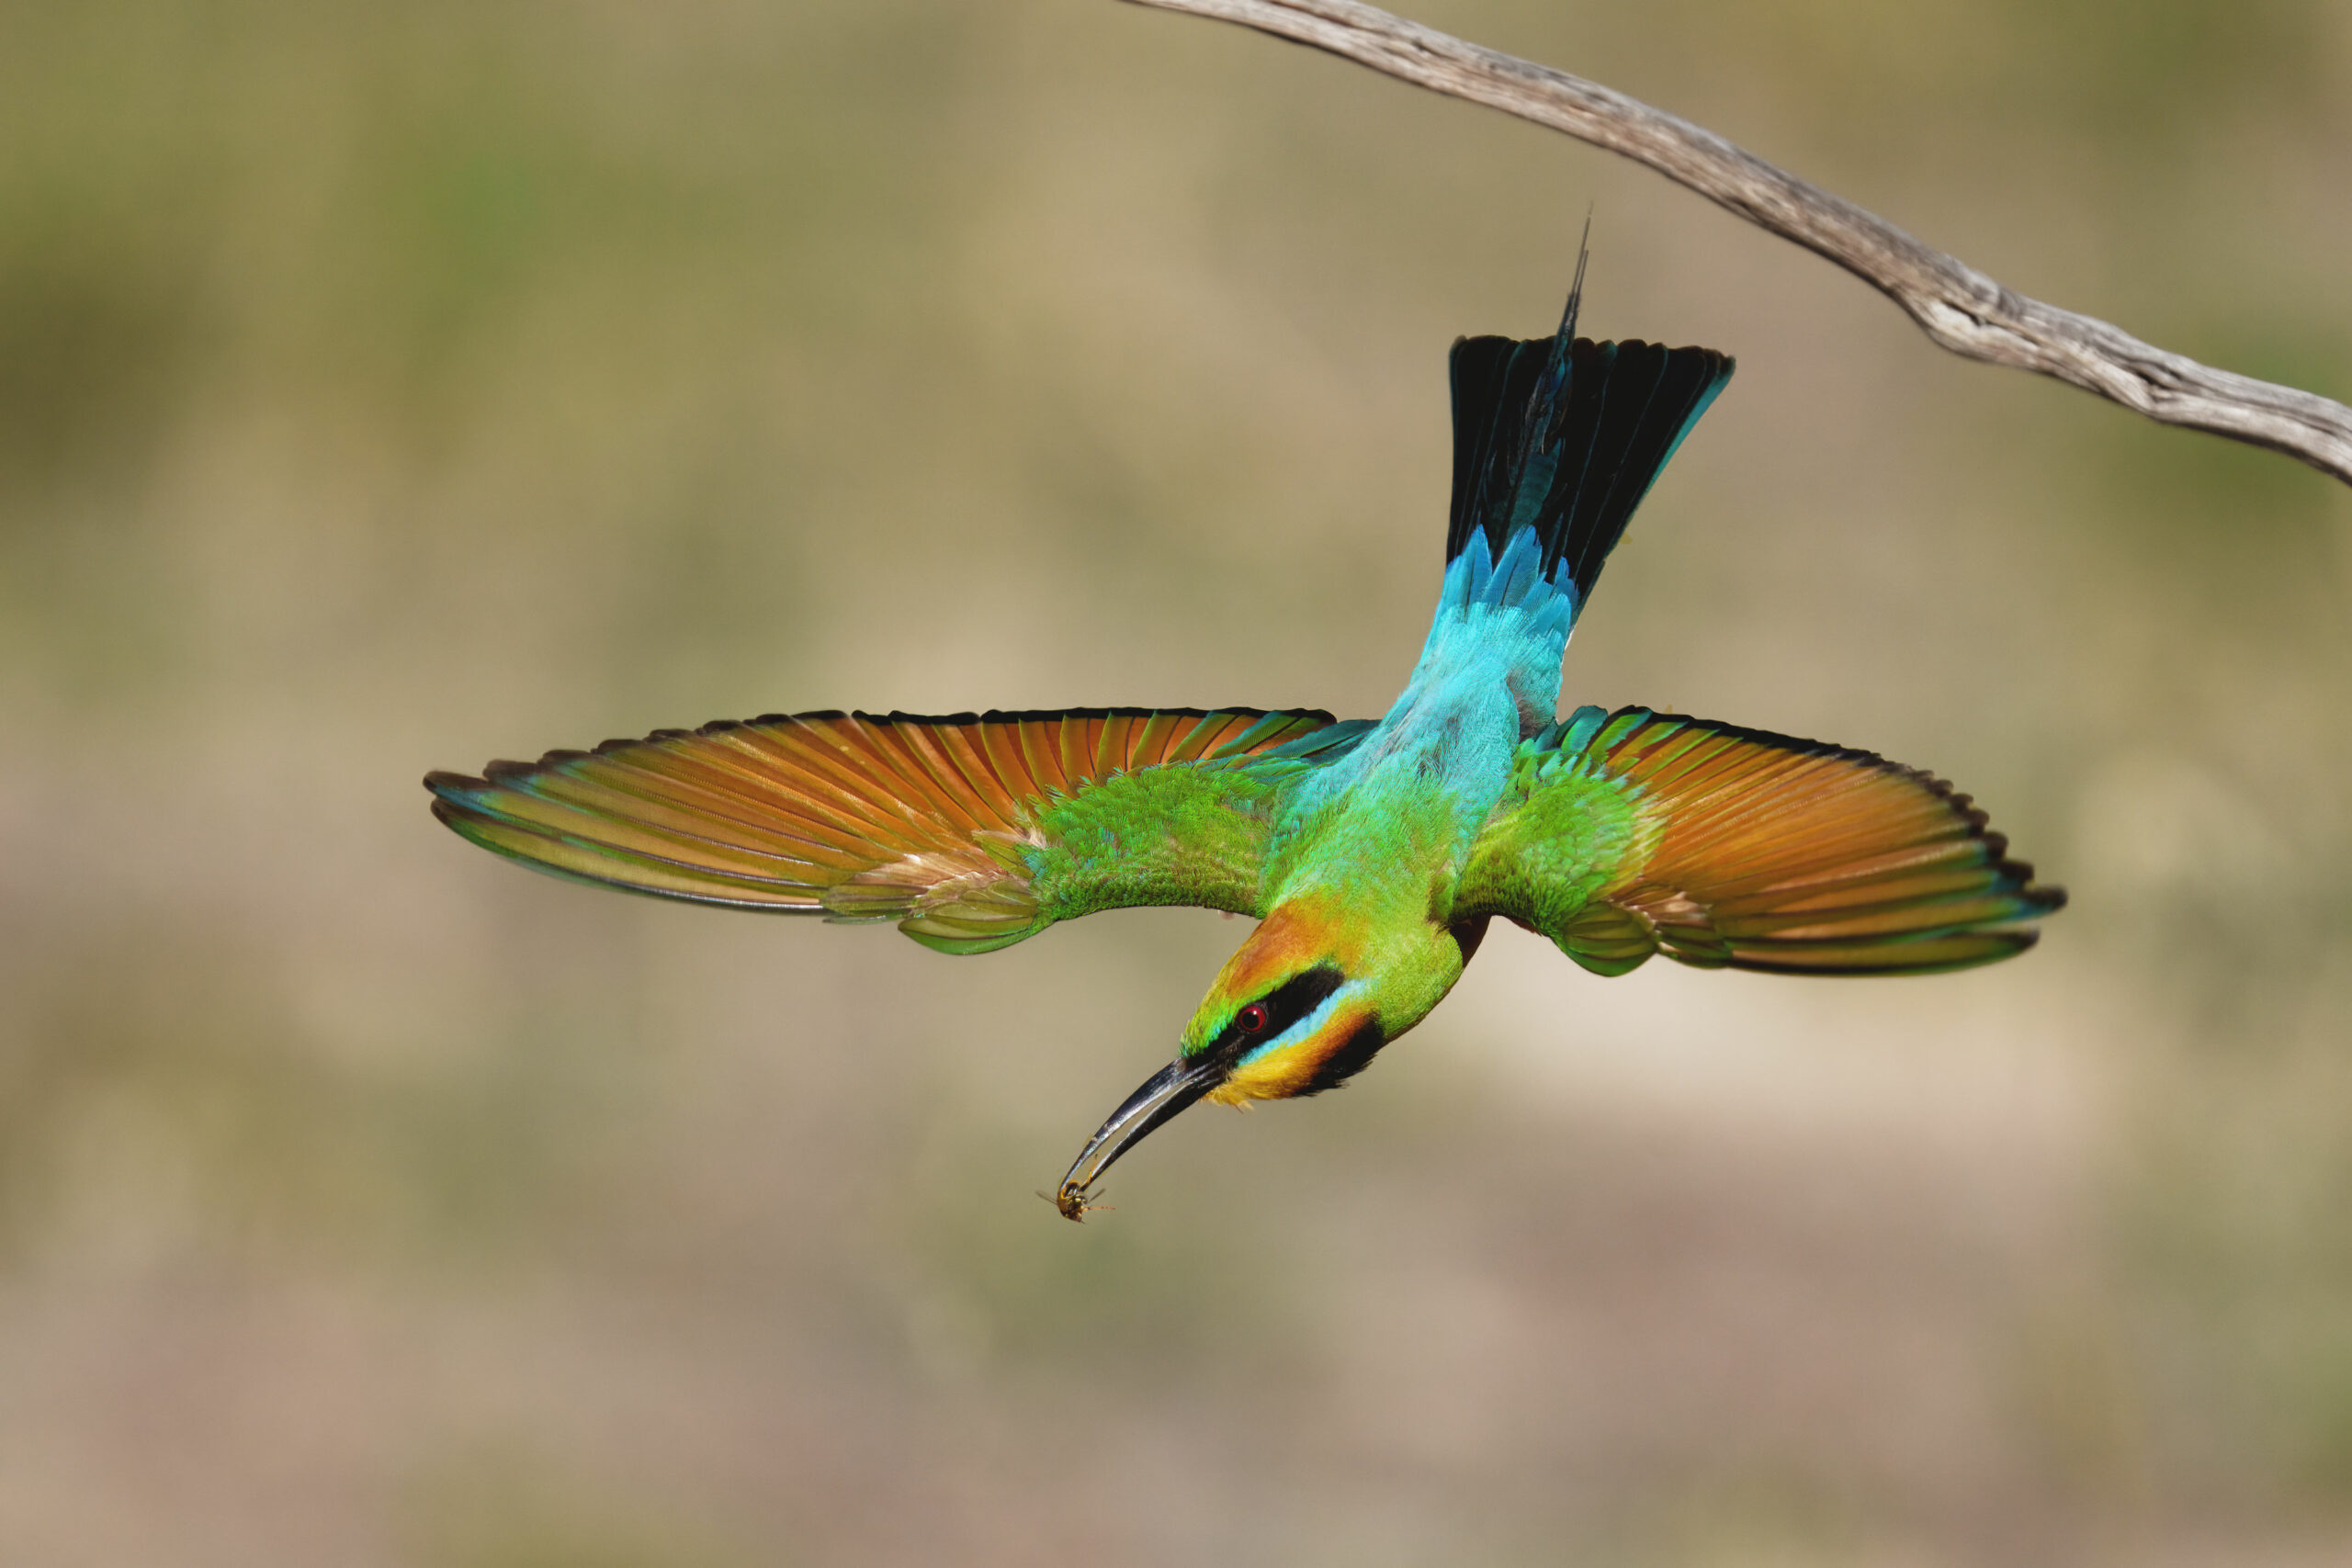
(1374, 853)
(1555, 840)
(1632, 833)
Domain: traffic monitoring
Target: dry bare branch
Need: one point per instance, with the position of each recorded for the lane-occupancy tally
(1955, 304)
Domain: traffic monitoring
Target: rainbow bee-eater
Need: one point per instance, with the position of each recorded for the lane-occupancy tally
(1374, 854)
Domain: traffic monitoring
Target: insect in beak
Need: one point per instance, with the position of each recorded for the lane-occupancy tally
(1165, 1093)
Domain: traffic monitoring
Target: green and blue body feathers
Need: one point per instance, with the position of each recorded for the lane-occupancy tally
(1374, 854)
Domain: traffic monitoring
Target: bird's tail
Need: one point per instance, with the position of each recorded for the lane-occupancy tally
(1562, 436)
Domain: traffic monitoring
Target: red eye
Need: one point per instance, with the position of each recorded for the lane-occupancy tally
(1252, 1019)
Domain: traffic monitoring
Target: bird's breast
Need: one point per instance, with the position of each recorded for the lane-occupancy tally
(1395, 828)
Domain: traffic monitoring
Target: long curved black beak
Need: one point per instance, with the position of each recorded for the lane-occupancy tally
(1164, 1094)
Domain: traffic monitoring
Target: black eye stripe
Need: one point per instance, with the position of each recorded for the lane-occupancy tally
(1284, 1005)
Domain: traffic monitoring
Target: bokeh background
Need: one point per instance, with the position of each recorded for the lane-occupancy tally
(391, 385)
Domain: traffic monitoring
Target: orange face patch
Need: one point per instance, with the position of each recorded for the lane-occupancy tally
(1305, 945)
(1295, 937)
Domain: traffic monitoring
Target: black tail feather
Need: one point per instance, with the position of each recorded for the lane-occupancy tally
(1565, 434)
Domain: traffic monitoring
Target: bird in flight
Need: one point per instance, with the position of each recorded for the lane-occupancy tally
(1374, 854)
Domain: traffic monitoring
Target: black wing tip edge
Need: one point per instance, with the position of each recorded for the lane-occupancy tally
(2016, 875)
(447, 785)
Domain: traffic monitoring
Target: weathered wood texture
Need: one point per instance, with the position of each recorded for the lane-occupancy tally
(1956, 305)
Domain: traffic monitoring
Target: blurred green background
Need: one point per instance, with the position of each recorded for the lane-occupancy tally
(385, 386)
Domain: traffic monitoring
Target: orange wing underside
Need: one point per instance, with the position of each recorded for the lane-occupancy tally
(1775, 853)
(851, 814)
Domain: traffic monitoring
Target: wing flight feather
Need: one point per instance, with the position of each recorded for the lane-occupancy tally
(1633, 833)
(970, 830)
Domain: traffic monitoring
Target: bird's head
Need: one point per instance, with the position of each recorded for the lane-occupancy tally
(1301, 1007)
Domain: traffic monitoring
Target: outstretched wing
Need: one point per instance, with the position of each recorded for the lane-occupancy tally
(971, 831)
(1631, 833)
